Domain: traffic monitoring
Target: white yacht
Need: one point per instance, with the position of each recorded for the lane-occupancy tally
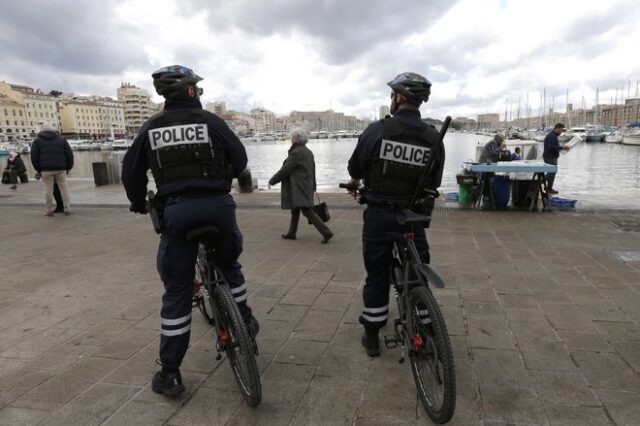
(121, 144)
(581, 132)
(631, 138)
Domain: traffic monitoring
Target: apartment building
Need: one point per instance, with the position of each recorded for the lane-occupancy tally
(488, 121)
(264, 119)
(326, 120)
(384, 111)
(137, 107)
(91, 117)
(38, 107)
(13, 120)
(218, 108)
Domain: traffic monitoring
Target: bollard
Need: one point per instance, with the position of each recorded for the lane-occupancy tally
(245, 184)
(100, 174)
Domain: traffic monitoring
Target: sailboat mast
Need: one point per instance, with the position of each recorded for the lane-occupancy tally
(615, 111)
(596, 111)
(568, 113)
(528, 111)
(637, 102)
(544, 109)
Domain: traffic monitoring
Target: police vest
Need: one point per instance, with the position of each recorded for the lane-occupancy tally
(179, 147)
(404, 153)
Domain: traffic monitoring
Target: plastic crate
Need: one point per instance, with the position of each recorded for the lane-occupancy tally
(560, 202)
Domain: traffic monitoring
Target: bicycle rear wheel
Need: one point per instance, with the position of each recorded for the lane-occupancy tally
(430, 356)
(233, 334)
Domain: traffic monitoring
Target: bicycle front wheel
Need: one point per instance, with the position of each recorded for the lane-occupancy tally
(430, 356)
(237, 344)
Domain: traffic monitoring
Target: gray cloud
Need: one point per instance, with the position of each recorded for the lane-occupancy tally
(344, 29)
(83, 47)
(68, 37)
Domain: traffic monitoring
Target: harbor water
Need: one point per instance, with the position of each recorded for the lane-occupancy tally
(598, 175)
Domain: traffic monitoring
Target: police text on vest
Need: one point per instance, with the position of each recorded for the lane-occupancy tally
(166, 137)
(404, 153)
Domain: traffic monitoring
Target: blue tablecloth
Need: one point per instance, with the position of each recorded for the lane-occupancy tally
(522, 166)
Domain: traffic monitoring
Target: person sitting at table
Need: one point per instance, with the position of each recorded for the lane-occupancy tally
(516, 154)
(492, 149)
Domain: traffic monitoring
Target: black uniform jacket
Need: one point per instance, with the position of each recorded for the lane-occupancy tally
(368, 148)
(135, 163)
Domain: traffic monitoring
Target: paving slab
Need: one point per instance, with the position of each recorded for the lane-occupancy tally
(538, 338)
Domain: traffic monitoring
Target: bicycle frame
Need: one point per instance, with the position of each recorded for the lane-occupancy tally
(212, 276)
(404, 255)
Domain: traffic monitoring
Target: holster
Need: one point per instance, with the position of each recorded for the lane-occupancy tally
(156, 212)
(425, 206)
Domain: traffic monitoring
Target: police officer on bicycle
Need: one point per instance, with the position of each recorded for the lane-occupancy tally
(390, 156)
(193, 157)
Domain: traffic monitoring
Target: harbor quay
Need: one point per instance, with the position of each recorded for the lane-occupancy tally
(542, 310)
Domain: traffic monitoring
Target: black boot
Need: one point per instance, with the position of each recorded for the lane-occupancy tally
(371, 342)
(288, 236)
(253, 327)
(167, 383)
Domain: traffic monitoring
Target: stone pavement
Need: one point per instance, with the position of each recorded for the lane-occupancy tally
(544, 319)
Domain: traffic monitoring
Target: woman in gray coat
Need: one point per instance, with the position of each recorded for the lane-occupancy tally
(298, 177)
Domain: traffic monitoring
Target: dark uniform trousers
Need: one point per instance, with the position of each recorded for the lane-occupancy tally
(379, 232)
(176, 265)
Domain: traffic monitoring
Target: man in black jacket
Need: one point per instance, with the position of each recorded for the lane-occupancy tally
(52, 158)
(193, 157)
(551, 153)
(390, 156)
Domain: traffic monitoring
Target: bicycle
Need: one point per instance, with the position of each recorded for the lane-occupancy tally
(421, 325)
(213, 297)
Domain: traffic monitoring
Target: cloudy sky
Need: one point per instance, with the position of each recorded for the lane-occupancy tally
(482, 56)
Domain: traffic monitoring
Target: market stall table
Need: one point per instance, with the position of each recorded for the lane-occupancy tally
(532, 171)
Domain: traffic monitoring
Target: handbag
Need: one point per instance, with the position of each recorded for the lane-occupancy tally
(6, 177)
(321, 210)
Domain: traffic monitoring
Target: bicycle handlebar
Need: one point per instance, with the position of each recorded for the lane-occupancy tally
(348, 186)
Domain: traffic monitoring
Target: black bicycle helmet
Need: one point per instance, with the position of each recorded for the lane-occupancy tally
(170, 79)
(412, 86)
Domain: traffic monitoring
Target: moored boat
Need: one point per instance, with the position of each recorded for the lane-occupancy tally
(614, 137)
(595, 136)
(121, 144)
(631, 138)
(580, 132)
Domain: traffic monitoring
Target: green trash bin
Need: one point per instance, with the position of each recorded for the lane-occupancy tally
(464, 194)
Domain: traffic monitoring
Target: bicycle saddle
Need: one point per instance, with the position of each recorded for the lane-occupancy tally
(408, 216)
(204, 234)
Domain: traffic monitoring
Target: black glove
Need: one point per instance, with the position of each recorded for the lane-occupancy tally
(138, 208)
